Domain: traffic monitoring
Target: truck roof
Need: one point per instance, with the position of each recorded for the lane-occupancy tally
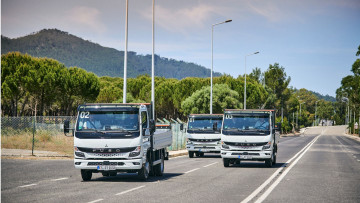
(250, 110)
(112, 105)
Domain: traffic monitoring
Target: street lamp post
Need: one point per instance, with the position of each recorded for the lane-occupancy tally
(245, 79)
(153, 62)
(125, 51)
(316, 110)
(300, 110)
(212, 60)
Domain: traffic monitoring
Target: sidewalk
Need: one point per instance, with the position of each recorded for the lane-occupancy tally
(26, 154)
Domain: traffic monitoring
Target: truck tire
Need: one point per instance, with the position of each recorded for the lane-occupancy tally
(191, 154)
(226, 162)
(275, 154)
(269, 162)
(86, 175)
(143, 173)
(201, 154)
(159, 169)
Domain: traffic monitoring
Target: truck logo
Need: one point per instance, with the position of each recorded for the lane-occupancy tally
(106, 145)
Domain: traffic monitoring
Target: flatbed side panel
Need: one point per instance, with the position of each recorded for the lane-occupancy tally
(162, 139)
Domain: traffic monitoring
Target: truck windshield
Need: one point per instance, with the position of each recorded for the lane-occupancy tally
(108, 121)
(204, 123)
(246, 124)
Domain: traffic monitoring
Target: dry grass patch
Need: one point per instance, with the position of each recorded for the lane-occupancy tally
(44, 140)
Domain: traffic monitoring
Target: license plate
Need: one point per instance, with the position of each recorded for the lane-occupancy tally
(105, 168)
(245, 157)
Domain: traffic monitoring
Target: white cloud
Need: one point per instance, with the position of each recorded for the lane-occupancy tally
(183, 20)
(87, 17)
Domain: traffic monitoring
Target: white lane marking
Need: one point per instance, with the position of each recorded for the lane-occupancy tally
(277, 181)
(358, 160)
(210, 164)
(178, 157)
(126, 191)
(262, 186)
(192, 170)
(59, 179)
(28, 185)
(98, 200)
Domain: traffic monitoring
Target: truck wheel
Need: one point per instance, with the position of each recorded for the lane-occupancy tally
(191, 154)
(159, 169)
(86, 175)
(201, 154)
(274, 159)
(269, 162)
(143, 173)
(226, 162)
(197, 154)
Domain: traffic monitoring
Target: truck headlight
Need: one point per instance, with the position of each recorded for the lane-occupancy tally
(135, 152)
(188, 141)
(78, 153)
(224, 146)
(267, 146)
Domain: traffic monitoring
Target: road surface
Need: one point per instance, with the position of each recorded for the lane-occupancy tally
(320, 166)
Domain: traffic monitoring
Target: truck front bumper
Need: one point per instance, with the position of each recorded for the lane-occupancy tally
(118, 165)
(203, 148)
(246, 155)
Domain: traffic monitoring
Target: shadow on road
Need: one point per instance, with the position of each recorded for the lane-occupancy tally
(255, 165)
(132, 177)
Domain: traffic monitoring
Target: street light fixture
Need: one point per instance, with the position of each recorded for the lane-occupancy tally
(245, 79)
(212, 59)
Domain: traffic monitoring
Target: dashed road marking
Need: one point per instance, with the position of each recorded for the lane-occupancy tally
(28, 185)
(192, 170)
(59, 179)
(126, 191)
(98, 200)
(210, 164)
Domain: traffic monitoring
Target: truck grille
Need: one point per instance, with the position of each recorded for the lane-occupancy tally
(245, 153)
(245, 143)
(204, 140)
(107, 150)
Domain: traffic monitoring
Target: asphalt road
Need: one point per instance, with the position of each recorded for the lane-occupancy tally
(317, 167)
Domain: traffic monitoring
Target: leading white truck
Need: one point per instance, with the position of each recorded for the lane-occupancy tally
(112, 138)
(203, 134)
(249, 135)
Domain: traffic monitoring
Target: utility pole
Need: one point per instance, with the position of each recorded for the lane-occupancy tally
(125, 51)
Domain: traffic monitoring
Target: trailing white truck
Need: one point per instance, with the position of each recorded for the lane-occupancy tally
(249, 135)
(203, 134)
(112, 138)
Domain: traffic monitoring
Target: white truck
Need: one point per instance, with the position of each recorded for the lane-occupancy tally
(112, 138)
(249, 135)
(203, 134)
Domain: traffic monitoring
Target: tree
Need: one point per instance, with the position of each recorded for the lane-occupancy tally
(199, 101)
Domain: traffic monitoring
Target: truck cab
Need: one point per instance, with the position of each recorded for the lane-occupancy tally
(249, 135)
(203, 134)
(112, 138)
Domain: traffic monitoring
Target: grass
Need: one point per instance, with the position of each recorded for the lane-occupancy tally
(45, 140)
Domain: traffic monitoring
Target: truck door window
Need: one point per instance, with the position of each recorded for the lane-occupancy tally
(144, 119)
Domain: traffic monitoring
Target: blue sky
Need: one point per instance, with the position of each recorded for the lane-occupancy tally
(315, 41)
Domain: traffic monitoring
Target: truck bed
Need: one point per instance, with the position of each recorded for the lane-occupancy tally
(162, 138)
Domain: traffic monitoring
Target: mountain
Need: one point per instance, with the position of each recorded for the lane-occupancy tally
(326, 97)
(103, 61)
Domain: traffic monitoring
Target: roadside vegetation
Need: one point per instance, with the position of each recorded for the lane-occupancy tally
(42, 87)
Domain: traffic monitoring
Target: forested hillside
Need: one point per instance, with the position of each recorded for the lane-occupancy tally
(74, 51)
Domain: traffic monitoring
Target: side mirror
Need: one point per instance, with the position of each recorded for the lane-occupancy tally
(152, 126)
(67, 127)
(215, 126)
(181, 126)
(278, 126)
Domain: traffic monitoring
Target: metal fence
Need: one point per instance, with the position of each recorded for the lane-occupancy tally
(35, 127)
